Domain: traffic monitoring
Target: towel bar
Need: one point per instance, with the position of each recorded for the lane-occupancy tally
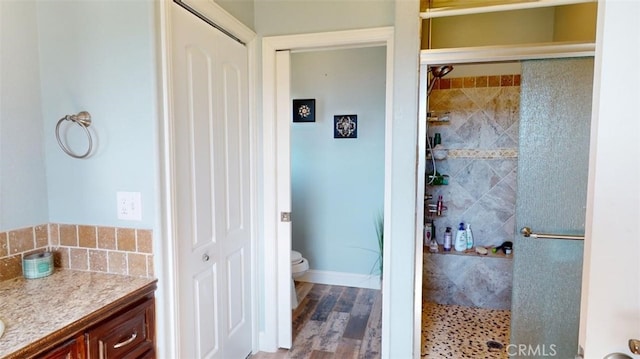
(526, 231)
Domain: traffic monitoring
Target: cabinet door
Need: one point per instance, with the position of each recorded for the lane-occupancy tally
(128, 335)
(71, 349)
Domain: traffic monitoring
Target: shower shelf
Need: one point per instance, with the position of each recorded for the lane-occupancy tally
(468, 252)
(436, 116)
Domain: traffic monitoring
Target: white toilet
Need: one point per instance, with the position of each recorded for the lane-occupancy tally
(299, 266)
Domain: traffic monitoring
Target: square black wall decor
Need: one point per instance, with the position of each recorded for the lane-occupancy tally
(345, 126)
(304, 110)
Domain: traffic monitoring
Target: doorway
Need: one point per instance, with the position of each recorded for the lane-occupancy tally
(337, 182)
(337, 188)
(524, 276)
(277, 111)
(474, 114)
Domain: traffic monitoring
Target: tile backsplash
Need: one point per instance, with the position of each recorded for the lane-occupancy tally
(80, 247)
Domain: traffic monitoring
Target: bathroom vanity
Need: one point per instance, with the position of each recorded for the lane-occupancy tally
(74, 314)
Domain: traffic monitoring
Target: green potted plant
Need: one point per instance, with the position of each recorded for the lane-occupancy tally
(379, 225)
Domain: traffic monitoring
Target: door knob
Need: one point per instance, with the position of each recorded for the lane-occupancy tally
(205, 257)
(617, 356)
(634, 346)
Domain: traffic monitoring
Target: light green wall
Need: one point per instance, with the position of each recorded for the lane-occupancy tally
(74, 56)
(99, 56)
(338, 184)
(283, 17)
(23, 188)
(242, 10)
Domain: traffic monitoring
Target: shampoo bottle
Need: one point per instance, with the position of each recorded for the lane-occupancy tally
(447, 240)
(460, 244)
(428, 234)
(469, 237)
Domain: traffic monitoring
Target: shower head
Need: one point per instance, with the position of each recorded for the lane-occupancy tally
(441, 71)
(438, 72)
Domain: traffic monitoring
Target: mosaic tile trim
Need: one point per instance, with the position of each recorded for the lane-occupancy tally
(80, 247)
(483, 154)
(477, 81)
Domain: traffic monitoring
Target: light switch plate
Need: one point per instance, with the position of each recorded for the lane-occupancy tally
(129, 206)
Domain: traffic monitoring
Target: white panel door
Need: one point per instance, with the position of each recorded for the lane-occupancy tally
(211, 174)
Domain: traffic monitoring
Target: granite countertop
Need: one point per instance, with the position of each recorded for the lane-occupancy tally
(36, 309)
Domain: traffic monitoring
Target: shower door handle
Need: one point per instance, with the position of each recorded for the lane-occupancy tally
(527, 232)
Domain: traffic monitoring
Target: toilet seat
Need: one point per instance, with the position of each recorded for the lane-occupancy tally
(299, 265)
(296, 257)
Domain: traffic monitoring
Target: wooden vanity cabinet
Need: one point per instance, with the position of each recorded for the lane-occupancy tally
(124, 330)
(128, 335)
(72, 349)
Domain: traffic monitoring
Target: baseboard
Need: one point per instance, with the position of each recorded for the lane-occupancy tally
(342, 279)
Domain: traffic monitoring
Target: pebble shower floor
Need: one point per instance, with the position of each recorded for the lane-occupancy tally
(453, 331)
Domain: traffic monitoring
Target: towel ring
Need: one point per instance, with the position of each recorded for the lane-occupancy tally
(83, 119)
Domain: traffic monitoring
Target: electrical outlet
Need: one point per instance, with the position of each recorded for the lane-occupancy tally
(129, 206)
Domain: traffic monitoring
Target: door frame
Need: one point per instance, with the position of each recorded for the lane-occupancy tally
(467, 55)
(165, 247)
(277, 282)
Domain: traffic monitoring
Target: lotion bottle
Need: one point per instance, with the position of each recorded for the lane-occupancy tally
(447, 240)
(460, 244)
(469, 237)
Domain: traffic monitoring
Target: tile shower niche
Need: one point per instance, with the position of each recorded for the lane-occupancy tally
(480, 137)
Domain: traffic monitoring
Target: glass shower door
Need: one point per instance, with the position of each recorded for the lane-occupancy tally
(555, 115)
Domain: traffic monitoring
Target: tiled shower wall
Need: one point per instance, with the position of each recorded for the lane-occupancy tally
(481, 137)
(468, 280)
(80, 247)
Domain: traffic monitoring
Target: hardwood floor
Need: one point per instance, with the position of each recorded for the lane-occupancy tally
(334, 322)
(343, 322)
